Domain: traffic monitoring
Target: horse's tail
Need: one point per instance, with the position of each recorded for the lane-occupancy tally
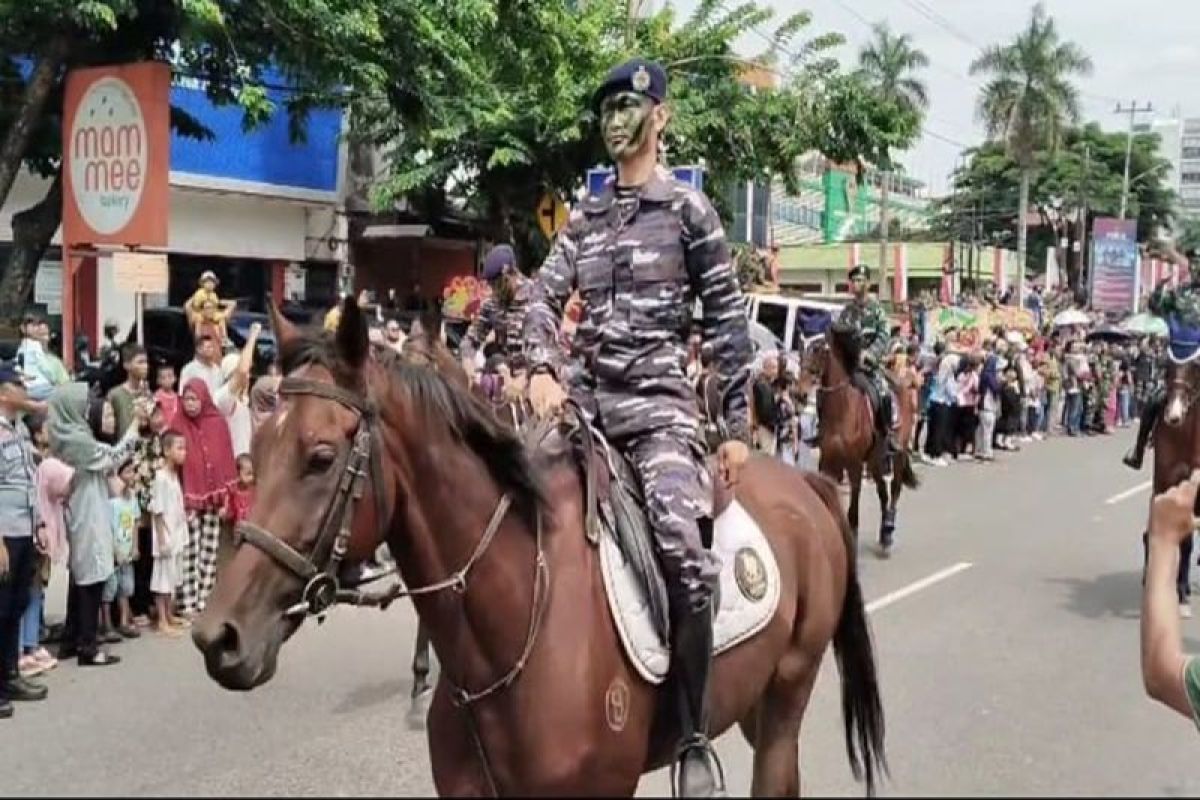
(862, 709)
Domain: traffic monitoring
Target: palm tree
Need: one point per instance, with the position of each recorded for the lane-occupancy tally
(888, 63)
(1029, 101)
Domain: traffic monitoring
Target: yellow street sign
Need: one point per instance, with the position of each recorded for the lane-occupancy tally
(551, 214)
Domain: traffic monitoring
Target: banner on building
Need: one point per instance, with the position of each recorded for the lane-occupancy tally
(1114, 285)
(116, 137)
(974, 323)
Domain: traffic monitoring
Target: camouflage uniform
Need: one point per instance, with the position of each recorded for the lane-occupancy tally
(1182, 303)
(639, 260)
(874, 331)
(508, 322)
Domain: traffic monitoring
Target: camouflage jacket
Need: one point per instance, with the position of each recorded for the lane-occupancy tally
(639, 262)
(1182, 303)
(507, 321)
(872, 323)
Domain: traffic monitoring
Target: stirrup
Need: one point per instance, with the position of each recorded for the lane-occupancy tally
(698, 741)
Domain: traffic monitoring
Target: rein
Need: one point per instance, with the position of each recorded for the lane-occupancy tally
(322, 588)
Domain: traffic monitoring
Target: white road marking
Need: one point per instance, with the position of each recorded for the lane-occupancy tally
(1128, 493)
(916, 586)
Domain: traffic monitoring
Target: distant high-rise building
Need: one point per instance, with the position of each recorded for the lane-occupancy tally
(1179, 144)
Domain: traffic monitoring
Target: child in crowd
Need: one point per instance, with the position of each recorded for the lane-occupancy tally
(241, 499)
(164, 393)
(170, 532)
(36, 659)
(125, 515)
(147, 461)
(212, 322)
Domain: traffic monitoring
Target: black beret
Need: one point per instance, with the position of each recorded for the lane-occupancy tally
(861, 270)
(498, 259)
(635, 75)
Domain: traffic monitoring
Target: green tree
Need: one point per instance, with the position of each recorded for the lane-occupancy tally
(889, 64)
(332, 52)
(1029, 100)
(1083, 175)
(523, 127)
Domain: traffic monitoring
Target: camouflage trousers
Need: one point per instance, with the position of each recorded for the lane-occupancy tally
(669, 465)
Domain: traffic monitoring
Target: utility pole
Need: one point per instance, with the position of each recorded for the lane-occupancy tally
(1081, 223)
(1132, 111)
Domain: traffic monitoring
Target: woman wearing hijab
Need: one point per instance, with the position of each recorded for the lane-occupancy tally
(88, 516)
(209, 473)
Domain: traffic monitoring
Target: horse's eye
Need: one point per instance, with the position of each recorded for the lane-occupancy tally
(322, 458)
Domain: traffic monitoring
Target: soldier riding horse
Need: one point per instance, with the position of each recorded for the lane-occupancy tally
(1177, 438)
(857, 414)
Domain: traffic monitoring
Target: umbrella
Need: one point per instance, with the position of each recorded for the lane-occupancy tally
(1109, 333)
(1145, 325)
(1072, 316)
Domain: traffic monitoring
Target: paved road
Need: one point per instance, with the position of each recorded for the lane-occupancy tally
(1015, 675)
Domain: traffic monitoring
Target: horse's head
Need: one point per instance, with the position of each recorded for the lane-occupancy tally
(1183, 383)
(306, 455)
(359, 449)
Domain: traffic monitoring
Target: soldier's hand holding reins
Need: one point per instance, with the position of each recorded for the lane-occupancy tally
(545, 394)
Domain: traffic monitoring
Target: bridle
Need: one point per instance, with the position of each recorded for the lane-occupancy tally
(322, 589)
(319, 570)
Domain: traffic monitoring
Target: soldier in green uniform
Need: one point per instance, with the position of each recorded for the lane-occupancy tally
(1181, 308)
(867, 316)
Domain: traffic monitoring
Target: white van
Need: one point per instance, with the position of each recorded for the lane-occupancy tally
(791, 319)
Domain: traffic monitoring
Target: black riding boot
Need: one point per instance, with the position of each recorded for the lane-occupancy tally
(697, 772)
(1150, 413)
(887, 434)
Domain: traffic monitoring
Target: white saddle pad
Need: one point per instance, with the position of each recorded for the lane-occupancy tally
(749, 593)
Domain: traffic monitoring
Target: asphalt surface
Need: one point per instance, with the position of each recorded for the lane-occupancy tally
(1012, 670)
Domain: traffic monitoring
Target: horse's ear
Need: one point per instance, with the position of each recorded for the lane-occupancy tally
(285, 332)
(352, 338)
(416, 329)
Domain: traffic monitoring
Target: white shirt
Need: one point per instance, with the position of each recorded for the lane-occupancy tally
(237, 416)
(170, 516)
(209, 373)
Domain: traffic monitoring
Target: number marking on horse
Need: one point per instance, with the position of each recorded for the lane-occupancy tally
(616, 705)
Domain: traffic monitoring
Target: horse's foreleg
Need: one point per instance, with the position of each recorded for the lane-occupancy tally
(886, 523)
(855, 489)
(421, 691)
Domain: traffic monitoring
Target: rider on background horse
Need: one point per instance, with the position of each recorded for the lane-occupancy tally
(1180, 306)
(503, 311)
(865, 314)
(640, 252)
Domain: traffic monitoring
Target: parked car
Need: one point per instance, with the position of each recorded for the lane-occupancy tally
(169, 340)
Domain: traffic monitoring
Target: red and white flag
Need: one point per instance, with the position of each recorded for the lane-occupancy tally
(900, 277)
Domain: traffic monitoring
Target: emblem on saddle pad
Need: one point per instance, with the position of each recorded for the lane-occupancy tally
(750, 574)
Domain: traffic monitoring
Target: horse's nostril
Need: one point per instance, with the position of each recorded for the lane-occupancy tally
(229, 641)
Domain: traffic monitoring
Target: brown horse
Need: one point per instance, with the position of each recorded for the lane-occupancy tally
(535, 695)
(848, 438)
(1177, 434)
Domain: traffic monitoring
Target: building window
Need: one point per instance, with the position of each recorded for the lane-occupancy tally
(1191, 152)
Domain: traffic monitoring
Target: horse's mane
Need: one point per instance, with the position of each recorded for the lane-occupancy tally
(845, 345)
(438, 388)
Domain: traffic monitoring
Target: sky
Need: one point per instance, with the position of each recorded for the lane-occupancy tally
(1148, 51)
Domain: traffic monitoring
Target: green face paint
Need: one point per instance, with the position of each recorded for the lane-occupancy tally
(625, 123)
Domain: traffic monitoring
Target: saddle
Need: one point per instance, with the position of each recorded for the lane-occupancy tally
(615, 505)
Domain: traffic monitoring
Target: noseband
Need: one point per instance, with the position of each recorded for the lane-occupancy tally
(321, 587)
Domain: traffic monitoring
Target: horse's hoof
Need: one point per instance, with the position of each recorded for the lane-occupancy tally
(885, 551)
(418, 710)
